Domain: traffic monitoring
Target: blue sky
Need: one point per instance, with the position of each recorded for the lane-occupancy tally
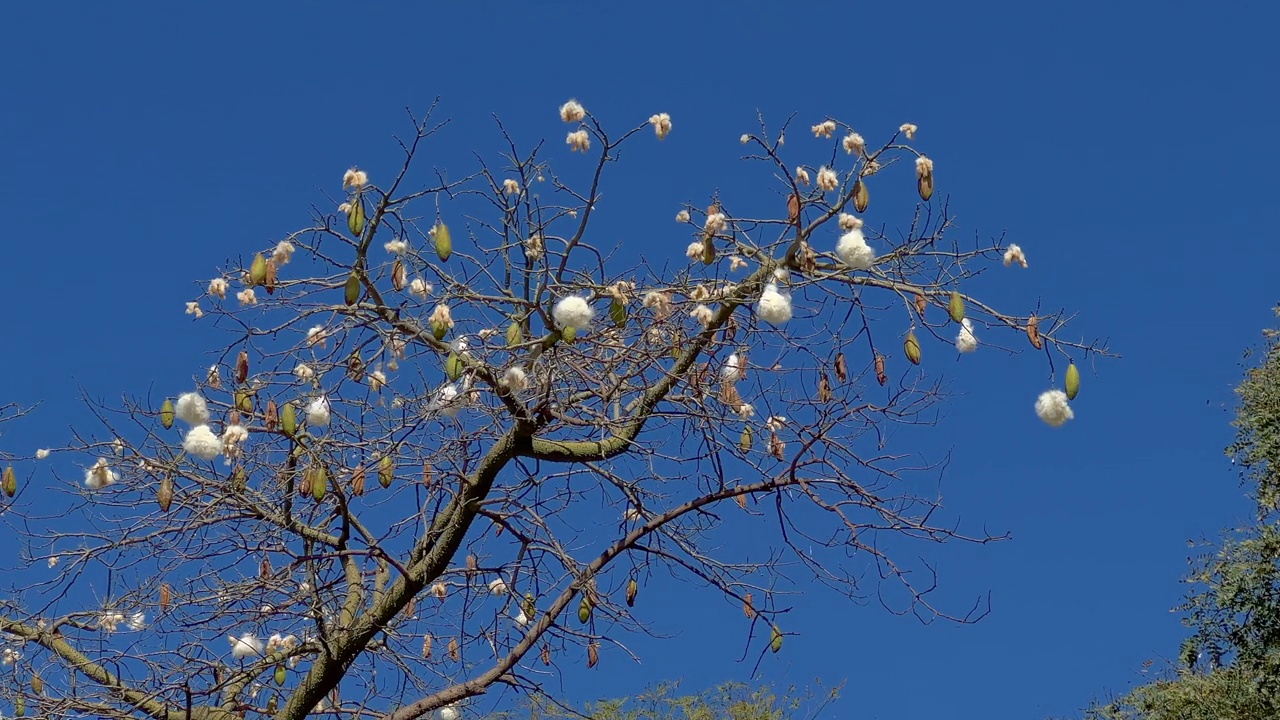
(1123, 145)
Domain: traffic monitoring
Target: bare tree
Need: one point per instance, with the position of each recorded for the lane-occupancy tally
(454, 435)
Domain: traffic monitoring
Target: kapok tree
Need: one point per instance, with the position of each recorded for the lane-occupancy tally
(453, 434)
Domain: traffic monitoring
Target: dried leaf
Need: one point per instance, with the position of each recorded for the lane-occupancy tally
(748, 607)
(881, 377)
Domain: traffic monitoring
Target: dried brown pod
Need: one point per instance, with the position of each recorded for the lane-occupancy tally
(272, 416)
(410, 607)
(729, 396)
(426, 474)
(824, 388)
(164, 495)
(593, 653)
(264, 568)
(748, 607)
(1033, 332)
(842, 369)
(454, 653)
(921, 303)
(880, 375)
(546, 655)
(427, 642)
(741, 499)
(166, 596)
(398, 275)
(242, 366)
(777, 448)
(269, 279)
(473, 562)
(807, 258)
(793, 210)
(357, 481)
(861, 198)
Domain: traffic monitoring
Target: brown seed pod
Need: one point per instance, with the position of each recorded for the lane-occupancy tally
(748, 608)
(264, 568)
(880, 376)
(1033, 332)
(269, 280)
(164, 495)
(426, 474)
(411, 607)
(921, 304)
(776, 447)
(793, 210)
(807, 258)
(593, 653)
(166, 596)
(824, 388)
(729, 396)
(861, 198)
(304, 485)
(454, 653)
(741, 499)
(398, 275)
(242, 366)
(473, 563)
(357, 481)
(546, 655)
(427, 642)
(842, 370)
(272, 416)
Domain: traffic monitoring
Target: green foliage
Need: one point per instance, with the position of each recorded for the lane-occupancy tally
(730, 701)
(1229, 668)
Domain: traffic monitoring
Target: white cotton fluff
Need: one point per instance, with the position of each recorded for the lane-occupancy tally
(450, 712)
(1052, 408)
(573, 312)
(445, 401)
(966, 341)
(99, 476)
(732, 371)
(137, 622)
(515, 378)
(202, 442)
(774, 306)
(522, 619)
(498, 587)
(854, 250)
(192, 409)
(318, 412)
(246, 645)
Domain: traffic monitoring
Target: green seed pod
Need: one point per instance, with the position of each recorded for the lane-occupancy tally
(633, 588)
(351, 291)
(744, 442)
(584, 610)
(239, 480)
(530, 607)
(618, 313)
(775, 641)
(955, 308)
(515, 335)
(319, 482)
(37, 684)
(569, 334)
(355, 217)
(439, 330)
(386, 471)
(19, 706)
(1073, 381)
(166, 414)
(280, 675)
(244, 401)
(10, 482)
(912, 348)
(453, 366)
(258, 270)
(444, 242)
(289, 419)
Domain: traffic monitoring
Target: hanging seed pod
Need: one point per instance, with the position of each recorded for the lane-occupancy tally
(881, 377)
(37, 684)
(955, 307)
(1033, 332)
(439, 330)
(10, 482)
(454, 654)
(744, 442)
(386, 471)
(319, 483)
(633, 588)
(824, 388)
(793, 210)
(214, 378)
(440, 591)
(775, 641)
(912, 347)
(777, 448)
(708, 249)
(861, 198)
(280, 675)
(921, 304)
(239, 480)
(272, 703)
(288, 420)
(264, 568)
(398, 275)
(1073, 385)
(924, 177)
(242, 366)
(473, 562)
(272, 416)
(257, 270)
(427, 642)
(355, 216)
(729, 395)
(842, 369)
(515, 335)
(164, 495)
(166, 414)
(410, 608)
(593, 653)
(166, 596)
(244, 401)
(444, 242)
(357, 481)
(426, 474)
(584, 610)
(273, 274)
(453, 366)
(351, 291)
(530, 607)
(546, 655)
(569, 334)
(20, 706)
(741, 499)
(748, 607)
(304, 485)
(618, 313)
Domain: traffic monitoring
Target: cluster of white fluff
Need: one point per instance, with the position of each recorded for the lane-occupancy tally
(192, 409)
(966, 341)
(733, 369)
(854, 251)
(1052, 407)
(100, 475)
(574, 312)
(202, 442)
(318, 412)
(774, 306)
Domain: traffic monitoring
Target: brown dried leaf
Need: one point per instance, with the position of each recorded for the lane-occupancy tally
(748, 608)
(842, 370)
(1033, 332)
(881, 377)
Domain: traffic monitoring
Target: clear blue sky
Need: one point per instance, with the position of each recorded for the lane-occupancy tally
(1126, 146)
